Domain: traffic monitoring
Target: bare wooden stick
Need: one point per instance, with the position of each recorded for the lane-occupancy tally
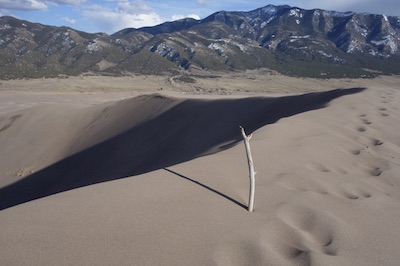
(252, 173)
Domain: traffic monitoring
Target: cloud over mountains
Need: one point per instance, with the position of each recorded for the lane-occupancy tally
(113, 15)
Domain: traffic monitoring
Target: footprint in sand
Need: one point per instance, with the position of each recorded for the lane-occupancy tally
(376, 171)
(353, 193)
(386, 96)
(350, 195)
(310, 231)
(377, 142)
(366, 121)
(356, 152)
(383, 111)
(361, 129)
(366, 194)
(345, 190)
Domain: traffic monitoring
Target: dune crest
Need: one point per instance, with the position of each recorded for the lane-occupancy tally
(139, 135)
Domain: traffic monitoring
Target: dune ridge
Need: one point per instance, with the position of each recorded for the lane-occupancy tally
(139, 135)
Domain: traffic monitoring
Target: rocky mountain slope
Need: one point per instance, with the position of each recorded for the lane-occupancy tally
(291, 40)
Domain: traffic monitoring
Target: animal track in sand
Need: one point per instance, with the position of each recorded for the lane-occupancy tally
(366, 194)
(353, 193)
(357, 152)
(311, 231)
(351, 196)
(383, 111)
(377, 171)
(366, 121)
(350, 191)
(377, 142)
(386, 96)
(326, 186)
(361, 129)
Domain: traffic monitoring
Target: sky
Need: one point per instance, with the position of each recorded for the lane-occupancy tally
(110, 16)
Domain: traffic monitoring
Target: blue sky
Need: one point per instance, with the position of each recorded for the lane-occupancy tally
(112, 15)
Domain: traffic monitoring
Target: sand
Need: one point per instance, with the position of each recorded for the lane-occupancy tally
(150, 177)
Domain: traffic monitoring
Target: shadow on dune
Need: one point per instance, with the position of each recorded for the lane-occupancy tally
(208, 188)
(191, 129)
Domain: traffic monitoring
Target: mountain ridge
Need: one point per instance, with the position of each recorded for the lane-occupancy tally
(290, 40)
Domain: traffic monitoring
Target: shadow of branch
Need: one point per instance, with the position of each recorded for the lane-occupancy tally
(207, 187)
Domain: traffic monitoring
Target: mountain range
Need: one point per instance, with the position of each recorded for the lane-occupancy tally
(290, 40)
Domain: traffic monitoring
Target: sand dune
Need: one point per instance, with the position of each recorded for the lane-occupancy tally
(158, 180)
(133, 136)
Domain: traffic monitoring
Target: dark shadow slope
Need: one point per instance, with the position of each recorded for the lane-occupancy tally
(191, 129)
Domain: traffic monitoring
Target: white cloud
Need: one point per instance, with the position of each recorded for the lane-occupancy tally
(201, 2)
(22, 5)
(69, 20)
(29, 5)
(331, 5)
(127, 14)
(66, 2)
(390, 7)
(177, 17)
(136, 6)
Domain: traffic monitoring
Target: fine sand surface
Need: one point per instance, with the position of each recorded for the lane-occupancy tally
(129, 177)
